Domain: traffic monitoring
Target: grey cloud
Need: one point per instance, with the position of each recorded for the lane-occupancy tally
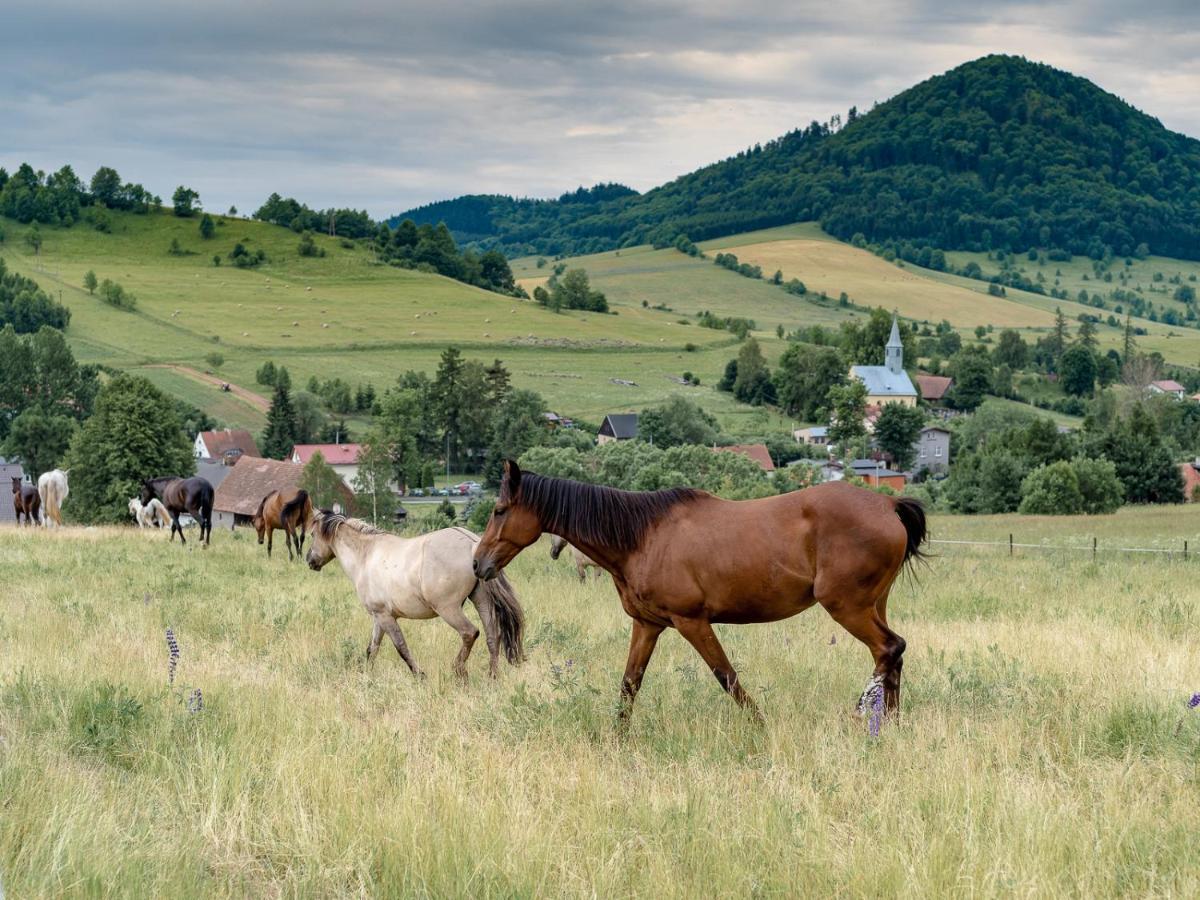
(388, 105)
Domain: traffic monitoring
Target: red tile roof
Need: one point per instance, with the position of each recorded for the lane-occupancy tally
(1168, 385)
(933, 387)
(251, 480)
(757, 452)
(221, 442)
(335, 454)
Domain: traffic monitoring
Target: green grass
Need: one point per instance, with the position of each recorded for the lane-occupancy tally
(1045, 748)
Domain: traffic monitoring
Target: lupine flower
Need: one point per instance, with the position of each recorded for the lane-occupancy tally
(172, 656)
(195, 701)
(877, 710)
(1194, 702)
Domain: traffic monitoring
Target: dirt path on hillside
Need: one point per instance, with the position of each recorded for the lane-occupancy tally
(262, 404)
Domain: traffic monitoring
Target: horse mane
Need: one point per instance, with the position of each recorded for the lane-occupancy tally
(328, 522)
(595, 514)
(263, 502)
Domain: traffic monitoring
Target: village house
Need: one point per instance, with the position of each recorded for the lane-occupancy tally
(932, 450)
(342, 457)
(220, 444)
(618, 427)
(1168, 386)
(827, 469)
(815, 436)
(888, 383)
(757, 452)
(249, 481)
(875, 473)
(934, 388)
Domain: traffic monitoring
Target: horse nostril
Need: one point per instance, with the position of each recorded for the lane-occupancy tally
(475, 567)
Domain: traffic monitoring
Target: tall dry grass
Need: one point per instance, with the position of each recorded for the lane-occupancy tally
(1046, 746)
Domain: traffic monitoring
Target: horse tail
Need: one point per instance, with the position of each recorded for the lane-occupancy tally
(509, 616)
(912, 515)
(298, 504)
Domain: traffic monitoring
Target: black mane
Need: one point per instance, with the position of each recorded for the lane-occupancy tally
(597, 515)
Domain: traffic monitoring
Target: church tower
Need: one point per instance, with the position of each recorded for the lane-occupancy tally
(894, 354)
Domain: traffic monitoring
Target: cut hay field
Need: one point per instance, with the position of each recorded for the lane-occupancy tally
(1046, 748)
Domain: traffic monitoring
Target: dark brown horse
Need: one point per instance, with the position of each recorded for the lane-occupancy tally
(26, 500)
(289, 509)
(193, 496)
(685, 559)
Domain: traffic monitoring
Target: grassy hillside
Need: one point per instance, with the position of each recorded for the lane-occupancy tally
(1045, 748)
(342, 315)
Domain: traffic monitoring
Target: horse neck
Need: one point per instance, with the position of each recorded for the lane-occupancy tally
(351, 546)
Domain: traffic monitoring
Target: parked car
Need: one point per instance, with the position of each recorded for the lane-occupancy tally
(417, 492)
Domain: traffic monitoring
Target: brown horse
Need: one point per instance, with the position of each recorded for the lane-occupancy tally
(26, 500)
(289, 509)
(685, 559)
(193, 496)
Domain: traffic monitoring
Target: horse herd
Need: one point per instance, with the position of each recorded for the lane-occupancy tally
(679, 558)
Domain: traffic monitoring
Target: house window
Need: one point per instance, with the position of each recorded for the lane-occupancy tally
(937, 451)
(924, 453)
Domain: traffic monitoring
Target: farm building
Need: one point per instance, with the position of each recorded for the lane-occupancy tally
(888, 383)
(214, 471)
(816, 436)
(932, 450)
(618, 427)
(220, 444)
(8, 471)
(756, 452)
(1168, 386)
(251, 479)
(827, 469)
(343, 457)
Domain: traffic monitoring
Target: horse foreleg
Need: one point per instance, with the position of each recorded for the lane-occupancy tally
(457, 619)
(699, 633)
(641, 647)
(388, 624)
(270, 540)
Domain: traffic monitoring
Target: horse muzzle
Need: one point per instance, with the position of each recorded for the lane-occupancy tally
(485, 570)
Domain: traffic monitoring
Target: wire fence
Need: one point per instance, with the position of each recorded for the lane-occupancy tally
(1181, 551)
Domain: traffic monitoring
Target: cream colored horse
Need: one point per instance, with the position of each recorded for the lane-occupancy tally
(582, 561)
(419, 578)
(149, 515)
(53, 489)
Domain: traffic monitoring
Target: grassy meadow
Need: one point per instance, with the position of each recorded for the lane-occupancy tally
(1046, 748)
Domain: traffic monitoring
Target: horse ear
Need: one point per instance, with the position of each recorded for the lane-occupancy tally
(512, 478)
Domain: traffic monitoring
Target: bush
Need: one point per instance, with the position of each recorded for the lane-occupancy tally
(478, 513)
(1051, 490)
(1099, 485)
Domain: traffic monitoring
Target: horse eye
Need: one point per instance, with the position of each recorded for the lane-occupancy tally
(499, 511)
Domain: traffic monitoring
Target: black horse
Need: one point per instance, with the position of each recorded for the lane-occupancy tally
(193, 496)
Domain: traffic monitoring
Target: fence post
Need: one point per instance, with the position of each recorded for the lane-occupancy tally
(1093, 549)
(1010, 544)
(1185, 549)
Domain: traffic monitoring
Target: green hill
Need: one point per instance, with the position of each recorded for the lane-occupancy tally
(997, 153)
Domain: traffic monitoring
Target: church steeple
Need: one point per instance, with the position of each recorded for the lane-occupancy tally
(894, 354)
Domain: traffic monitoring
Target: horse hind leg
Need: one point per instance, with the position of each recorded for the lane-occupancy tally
(887, 649)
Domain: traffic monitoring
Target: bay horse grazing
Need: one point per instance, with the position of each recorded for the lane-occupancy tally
(289, 509)
(420, 578)
(582, 561)
(52, 490)
(26, 501)
(685, 559)
(193, 496)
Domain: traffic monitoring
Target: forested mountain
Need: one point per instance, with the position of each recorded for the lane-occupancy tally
(997, 153)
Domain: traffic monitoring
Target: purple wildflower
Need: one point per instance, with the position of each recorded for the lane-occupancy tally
(1194, 702)
(195, 701)
(172, 656)
(877, 711)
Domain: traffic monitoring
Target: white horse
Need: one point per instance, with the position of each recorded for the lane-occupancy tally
(420, 578)
(53, 489)
(149, 515)
(582, 560)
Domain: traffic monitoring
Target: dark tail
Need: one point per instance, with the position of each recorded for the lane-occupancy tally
(299, 503)
(912, 514)
(509, 616)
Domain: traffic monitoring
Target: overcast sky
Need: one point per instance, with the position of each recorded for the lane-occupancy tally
(386, 105)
